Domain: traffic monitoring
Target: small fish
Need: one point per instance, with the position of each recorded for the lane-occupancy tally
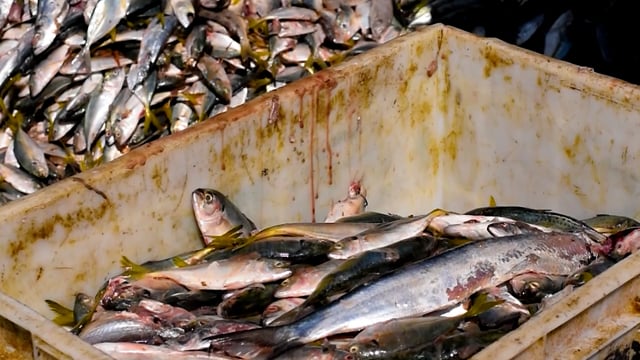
(100, 103)
(305, 279)
(246, 302)
(556, 43)
(153, 41)
(534, 287)
(44, 71)
(216, 214)
(529, 28)
(544, 218)
(215, 77)
(610, 224)
(354, 204)
(119, 326)
(19, 179)
(369, 217)
(134, 351)
(104, 18)
(329, 231)
(51, 14)
(184, 11)
(227, 274)
(380, 236)
(30, 155)
(278, 308)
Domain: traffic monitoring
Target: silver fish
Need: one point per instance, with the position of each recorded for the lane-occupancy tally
(100, 104)
(51, 14)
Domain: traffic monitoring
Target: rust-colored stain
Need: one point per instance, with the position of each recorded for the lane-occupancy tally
(432, 67)
(573, 150)
(37, 229)
(15, 342)
(494, 59)
(156, 177)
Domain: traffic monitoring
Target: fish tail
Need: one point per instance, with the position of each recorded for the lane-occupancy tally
(64, 315)
(262, 344)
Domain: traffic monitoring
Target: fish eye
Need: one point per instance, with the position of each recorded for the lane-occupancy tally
(337, 246)
(285, 282)
(208, 197)
(280, 264)
(353, 349)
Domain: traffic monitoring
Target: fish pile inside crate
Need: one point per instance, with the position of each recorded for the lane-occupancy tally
(360, 285)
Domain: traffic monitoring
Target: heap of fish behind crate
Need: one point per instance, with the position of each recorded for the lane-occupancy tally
(84, 81)
(361, 285)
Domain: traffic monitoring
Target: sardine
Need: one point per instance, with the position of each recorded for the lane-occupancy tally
(108, 326)
(609, 224)
(30, 155)
(133, 351)
(51, 14)
(100, 103)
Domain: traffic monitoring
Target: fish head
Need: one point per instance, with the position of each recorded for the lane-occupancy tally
(623, 243)
(346, 247)
(369, 349)
(208, 208)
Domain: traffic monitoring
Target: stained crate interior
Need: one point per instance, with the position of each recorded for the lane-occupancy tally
(438, 118)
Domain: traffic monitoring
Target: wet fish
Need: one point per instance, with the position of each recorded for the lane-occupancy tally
(133, 351)
(380, 236)
(279, 307)
(305, 279)
(227, 274)
(329, 231)
(609, 224)
(544, 218)
(108, 326)
(19, 179)
(216, 214)
(354, 204)
(453, 276)
(246, 302)
(30, 155)
(51, 14)
(100, 103)
(534, 287)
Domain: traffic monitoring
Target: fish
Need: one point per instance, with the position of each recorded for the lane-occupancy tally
(133, 351)
(329, 231)
(104, 18)
(279, 307)
(227, 274)
(216, 214)
(184, 11)
(363, 268)
(246, 302)
(468, 268)
(305, 279)
(354, 204)
(609, 224)
(118, 326)
(545, 218)
(51, 14)
(532, 287)
(29, 154)
(380, 236)
(99, 104)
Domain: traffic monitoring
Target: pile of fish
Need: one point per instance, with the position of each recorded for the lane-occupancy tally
(84, 81)
(361, 285)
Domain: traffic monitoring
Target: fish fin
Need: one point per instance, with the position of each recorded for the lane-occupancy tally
(64, 315)
(481, 304)
(492, 201)
(178, 262)
(132, 269)
(292, 315)
(264, 343)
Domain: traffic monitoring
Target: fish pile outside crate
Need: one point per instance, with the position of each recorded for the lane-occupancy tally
(84, 81)
(361, 285)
